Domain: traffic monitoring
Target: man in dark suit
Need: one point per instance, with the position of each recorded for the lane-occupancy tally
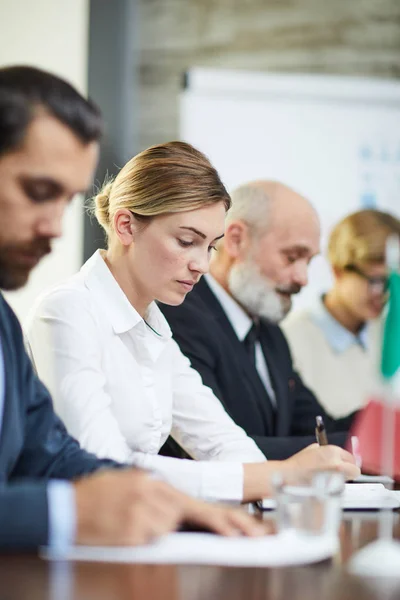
(228, 325)
(48, 151)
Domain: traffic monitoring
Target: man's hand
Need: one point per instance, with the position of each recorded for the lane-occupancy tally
(128, 508)
(329, 457)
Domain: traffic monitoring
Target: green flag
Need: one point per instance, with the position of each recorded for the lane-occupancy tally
(390, 363)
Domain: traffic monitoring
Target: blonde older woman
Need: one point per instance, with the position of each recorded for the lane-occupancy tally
(336, 342)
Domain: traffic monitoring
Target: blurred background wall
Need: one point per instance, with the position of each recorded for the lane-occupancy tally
(131, 55)
(349, 37)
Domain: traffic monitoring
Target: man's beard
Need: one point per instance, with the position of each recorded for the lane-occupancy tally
(17, 261)
(258, 296)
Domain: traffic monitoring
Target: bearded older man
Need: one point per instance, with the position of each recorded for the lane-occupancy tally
(228, 325)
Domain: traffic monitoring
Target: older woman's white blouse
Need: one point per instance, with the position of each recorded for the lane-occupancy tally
(121, 385)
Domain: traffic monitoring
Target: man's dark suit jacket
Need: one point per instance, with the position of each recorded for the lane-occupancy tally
(34, 445)
(207, 338)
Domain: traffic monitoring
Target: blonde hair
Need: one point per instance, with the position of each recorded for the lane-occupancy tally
(167, 178)
(360, 238)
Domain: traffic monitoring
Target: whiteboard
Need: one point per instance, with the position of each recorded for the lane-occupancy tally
(336, 140)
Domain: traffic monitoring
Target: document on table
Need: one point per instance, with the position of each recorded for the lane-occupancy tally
(369, 496)
(288, 548)
(374, 479)
(360, 496)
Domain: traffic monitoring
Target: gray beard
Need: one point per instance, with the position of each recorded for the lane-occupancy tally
(256, 294)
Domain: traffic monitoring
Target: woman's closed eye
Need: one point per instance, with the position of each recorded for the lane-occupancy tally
(187, 244)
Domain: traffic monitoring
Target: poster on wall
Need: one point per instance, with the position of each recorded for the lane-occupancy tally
(334, 139)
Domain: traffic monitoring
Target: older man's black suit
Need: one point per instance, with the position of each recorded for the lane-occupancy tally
(207, 338)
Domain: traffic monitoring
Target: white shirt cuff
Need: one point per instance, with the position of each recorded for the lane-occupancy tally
(62, 515)
(203, 479)
(222, 481)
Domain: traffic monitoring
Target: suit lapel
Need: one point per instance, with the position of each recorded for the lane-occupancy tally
(6, 425)
(203, 291)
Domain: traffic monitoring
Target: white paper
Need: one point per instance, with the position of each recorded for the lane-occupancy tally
(368, 496)
(374, 479)
(360, 496)
(288, 548)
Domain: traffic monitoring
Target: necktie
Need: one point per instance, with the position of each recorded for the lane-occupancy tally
(250, 342)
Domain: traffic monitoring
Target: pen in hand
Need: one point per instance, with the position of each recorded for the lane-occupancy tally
(320, 432)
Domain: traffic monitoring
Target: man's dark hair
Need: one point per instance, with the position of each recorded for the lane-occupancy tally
(24, 90)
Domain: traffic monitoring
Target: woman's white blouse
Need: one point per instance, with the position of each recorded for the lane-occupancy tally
(121, 385)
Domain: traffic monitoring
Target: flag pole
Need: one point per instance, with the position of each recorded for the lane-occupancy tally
(382, 557)
(388, 416)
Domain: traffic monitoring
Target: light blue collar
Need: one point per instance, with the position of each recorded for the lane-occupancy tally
(338, 337)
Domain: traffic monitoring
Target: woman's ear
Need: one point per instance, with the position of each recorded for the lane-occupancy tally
(237, 239)
(338, 272)
(124, 226)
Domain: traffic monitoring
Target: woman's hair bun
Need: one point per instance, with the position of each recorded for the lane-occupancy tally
(102, 205)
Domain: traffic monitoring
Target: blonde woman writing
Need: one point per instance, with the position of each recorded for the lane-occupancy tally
(99, 341)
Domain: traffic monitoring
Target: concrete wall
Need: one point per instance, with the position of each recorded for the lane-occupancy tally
(355, 37)
(51, 34)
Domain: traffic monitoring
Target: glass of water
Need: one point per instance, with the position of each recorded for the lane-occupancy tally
(309, 503)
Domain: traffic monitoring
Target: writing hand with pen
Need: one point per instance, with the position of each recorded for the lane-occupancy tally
(329, 458)
(322, 455)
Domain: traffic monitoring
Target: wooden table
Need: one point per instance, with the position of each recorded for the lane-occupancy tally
(26, 577)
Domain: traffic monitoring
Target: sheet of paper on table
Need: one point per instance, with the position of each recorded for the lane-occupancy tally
(283, 549)
(374, 479)
(360, 496)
